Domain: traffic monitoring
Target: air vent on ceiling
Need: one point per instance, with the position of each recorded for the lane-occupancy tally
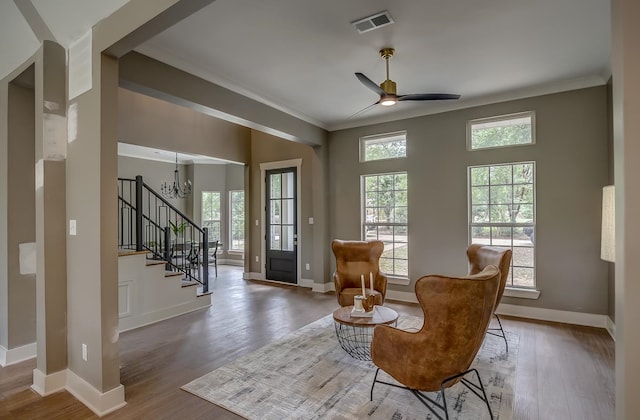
(373, 22)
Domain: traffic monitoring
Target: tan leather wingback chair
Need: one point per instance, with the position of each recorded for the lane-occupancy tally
(481, 256)
(354, 258)
(457, 312)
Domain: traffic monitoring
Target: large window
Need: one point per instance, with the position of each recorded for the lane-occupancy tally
(211, 213)
(502, 213)
(502, 131)
(383, 146)
(236, 220)
(384, 217)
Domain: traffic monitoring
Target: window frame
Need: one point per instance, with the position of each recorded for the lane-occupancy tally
(379, 138)
(505, 117)
(403, 279)
(214, 221)
(533, 223)
(231, 248)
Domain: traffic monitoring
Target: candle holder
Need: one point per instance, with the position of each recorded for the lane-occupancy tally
(361, 306)
(368, 303)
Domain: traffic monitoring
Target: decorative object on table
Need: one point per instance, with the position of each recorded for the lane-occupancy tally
(306, 374)
(354, 331)
(353, 258)
(481, 256)
(176, 189)
(457, 312)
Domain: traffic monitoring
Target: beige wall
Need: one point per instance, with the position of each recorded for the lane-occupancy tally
(267, 148)
(151, 122)
(19, 326)
(572, 167)
(21, 214)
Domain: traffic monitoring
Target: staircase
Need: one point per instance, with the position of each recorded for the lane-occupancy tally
(163, 258)
(147, 293)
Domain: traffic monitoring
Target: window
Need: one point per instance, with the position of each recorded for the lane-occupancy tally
(383, 146)
(502, 213)
(502, 131)
(211, 213)
(385, 218)
(236, 217)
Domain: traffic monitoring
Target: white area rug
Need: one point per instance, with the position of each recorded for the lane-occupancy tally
(307, 375)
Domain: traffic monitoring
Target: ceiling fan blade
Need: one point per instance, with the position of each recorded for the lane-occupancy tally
(363, 110)
(427, 97)
(370, 84)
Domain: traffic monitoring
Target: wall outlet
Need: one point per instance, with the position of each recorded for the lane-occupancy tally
(307, 267)
(257, 258)
(72, 227)
(257, 222)
(84, 352)
(311, 220)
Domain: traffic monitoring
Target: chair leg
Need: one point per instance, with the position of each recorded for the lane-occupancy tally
(499, 332)
(373, 384)
(470, 386)
(502, 331)
(215, 265)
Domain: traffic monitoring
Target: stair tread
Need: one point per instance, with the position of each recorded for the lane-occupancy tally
(128, 252)
(172, 274)
(190, 283)
(155, 262)
(205, 294)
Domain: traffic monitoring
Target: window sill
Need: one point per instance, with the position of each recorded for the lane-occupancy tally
(402, 281)
(234, 252)
(521, 293)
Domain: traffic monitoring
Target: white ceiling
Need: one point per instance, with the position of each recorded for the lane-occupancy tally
(300, 56)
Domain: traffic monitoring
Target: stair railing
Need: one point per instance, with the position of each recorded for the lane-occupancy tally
(148, 222)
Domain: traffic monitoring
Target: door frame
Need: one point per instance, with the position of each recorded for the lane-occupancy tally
(264, 167)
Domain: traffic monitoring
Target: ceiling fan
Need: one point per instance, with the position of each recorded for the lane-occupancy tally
(387, 89)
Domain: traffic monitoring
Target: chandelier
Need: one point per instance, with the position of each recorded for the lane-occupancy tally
(177, 189)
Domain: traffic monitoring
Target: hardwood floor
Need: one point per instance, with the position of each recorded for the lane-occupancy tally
(563, 372)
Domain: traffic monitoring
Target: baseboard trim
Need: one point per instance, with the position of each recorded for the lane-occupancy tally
(252, 276)
(17, 354)
(48, 384)
(101, 403)
(323, 287)
(401, 296)
(555, 315)
(307, 283)
(133, 322)
(611, 328)
(237, 263)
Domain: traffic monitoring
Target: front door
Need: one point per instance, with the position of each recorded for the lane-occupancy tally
(281, 228)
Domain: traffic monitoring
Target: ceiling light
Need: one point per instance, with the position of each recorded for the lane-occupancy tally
(176, 190)
(388, 100)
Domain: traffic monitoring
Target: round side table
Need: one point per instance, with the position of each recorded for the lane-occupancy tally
(355, 333)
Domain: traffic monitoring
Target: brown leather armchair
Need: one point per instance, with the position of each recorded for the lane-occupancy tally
(457, 312)
(481, 256)
(354, 258)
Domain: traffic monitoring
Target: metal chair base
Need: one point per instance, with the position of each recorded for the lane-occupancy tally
(431, 404)
(499, 332)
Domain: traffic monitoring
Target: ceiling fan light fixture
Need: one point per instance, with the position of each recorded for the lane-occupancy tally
(388, 100)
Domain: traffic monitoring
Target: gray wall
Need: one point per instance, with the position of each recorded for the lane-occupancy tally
(21, 219)
(154, 173)
(267, 148)
(611, 286)
(572, 166)
(151, 122)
